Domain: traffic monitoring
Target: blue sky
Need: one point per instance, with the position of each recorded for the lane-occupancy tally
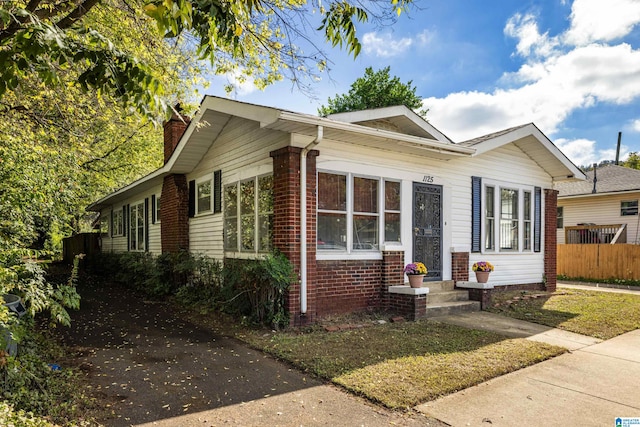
(571, 67)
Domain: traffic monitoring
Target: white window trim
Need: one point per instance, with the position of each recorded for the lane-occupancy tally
(208, 178)
(349, 252)
(140, 247)
(239, 252)
(637, 208)
(114, 213)
(498, 186)
(383, 199)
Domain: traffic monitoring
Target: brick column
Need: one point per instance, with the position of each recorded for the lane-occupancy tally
(550, 240)
(460, 266)
(174, 214)
(173, 130)
(392, 273)
(286, 223)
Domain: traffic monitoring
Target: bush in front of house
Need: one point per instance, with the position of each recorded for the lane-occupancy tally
(254, 289)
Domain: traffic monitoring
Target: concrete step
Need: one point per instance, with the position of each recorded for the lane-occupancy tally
(447, 296)
(440, 286)
(446, 308)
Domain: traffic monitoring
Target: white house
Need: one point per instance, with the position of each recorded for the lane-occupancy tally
(349, 198)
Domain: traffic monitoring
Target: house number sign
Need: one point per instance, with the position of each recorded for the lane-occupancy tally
(427, 178)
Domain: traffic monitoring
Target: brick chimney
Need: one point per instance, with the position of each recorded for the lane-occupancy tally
(173, 130)
(174, 209)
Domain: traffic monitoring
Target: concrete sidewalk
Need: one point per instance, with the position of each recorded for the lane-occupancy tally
(515, 328)
(591, 386)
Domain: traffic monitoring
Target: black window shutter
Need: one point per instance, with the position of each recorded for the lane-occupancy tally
(192, 199)
(125, 225)
(111, 224)
(476, 212)
(146, 224)
(217, 191)
(153, 209)
(537, 218)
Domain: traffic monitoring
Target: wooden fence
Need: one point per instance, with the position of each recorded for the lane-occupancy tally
(599, 261)
(83, 243)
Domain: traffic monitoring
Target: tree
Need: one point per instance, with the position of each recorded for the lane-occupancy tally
(255, 38)
(633, 161)
(375, 90)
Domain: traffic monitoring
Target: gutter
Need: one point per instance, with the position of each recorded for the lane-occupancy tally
(303, 217)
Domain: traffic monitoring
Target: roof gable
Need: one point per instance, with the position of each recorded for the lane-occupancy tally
(397, 118)
(534, 144)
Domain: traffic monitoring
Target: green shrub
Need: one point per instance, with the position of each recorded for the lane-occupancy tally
(252, 288)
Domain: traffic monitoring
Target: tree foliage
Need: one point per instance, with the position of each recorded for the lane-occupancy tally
(254, 38)
(374, 90)
(633, 161)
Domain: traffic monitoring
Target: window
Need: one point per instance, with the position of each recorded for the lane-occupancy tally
(526, 214)
(136, 227)
(490, 219)
(391, 211)
(117, 227)
(365, 213)
(248, 215)
(332, 211)
(560, 217)
(629, 207)
(509, 219)
(351, 209)
(203, 196)
(157, 209)
(104, 225)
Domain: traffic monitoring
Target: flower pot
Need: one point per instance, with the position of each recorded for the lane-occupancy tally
(415, 280)
(482, 276)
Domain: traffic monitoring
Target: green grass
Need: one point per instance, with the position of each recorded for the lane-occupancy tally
(402, 365)
(601, 315)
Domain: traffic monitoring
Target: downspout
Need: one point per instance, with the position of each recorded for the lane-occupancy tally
(303, 218)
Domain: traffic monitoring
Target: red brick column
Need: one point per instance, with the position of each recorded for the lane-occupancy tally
(286, 223)
(550, 240)
(460, 266)
(392, 273)
(174, 212)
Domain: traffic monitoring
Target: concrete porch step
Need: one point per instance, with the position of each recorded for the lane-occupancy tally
(440, 286)
(446, 308)
(447, 296)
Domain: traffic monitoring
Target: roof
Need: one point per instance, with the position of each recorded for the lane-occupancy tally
(410, 134)
(533, 143)
(610, 179)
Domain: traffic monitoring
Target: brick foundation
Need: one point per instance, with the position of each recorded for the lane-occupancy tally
(410, 306)
(348, 285)
(485, 296)
(460, 266)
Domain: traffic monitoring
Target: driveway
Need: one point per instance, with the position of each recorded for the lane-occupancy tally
(152, 368)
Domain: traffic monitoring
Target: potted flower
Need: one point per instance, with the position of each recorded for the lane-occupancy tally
(482, 270)
(415, 271)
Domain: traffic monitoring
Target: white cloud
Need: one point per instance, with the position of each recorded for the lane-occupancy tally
(634, 126)
(383, 45)
(530, 41)
(556, 80)
(242, 85)
(597, 20)
(582, 152)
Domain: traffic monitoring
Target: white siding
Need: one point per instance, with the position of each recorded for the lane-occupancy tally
(507, 164)
(241, 151)
(119, 243)
(600, 210)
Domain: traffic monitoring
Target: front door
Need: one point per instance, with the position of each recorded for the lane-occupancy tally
(427, 228)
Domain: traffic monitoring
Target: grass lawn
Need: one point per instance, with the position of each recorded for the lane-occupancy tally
(403, 364)
(601, 315)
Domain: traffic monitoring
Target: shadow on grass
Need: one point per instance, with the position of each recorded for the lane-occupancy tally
(530, 309)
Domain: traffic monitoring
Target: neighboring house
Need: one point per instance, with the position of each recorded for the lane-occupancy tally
(349, 199)
(611, 201)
